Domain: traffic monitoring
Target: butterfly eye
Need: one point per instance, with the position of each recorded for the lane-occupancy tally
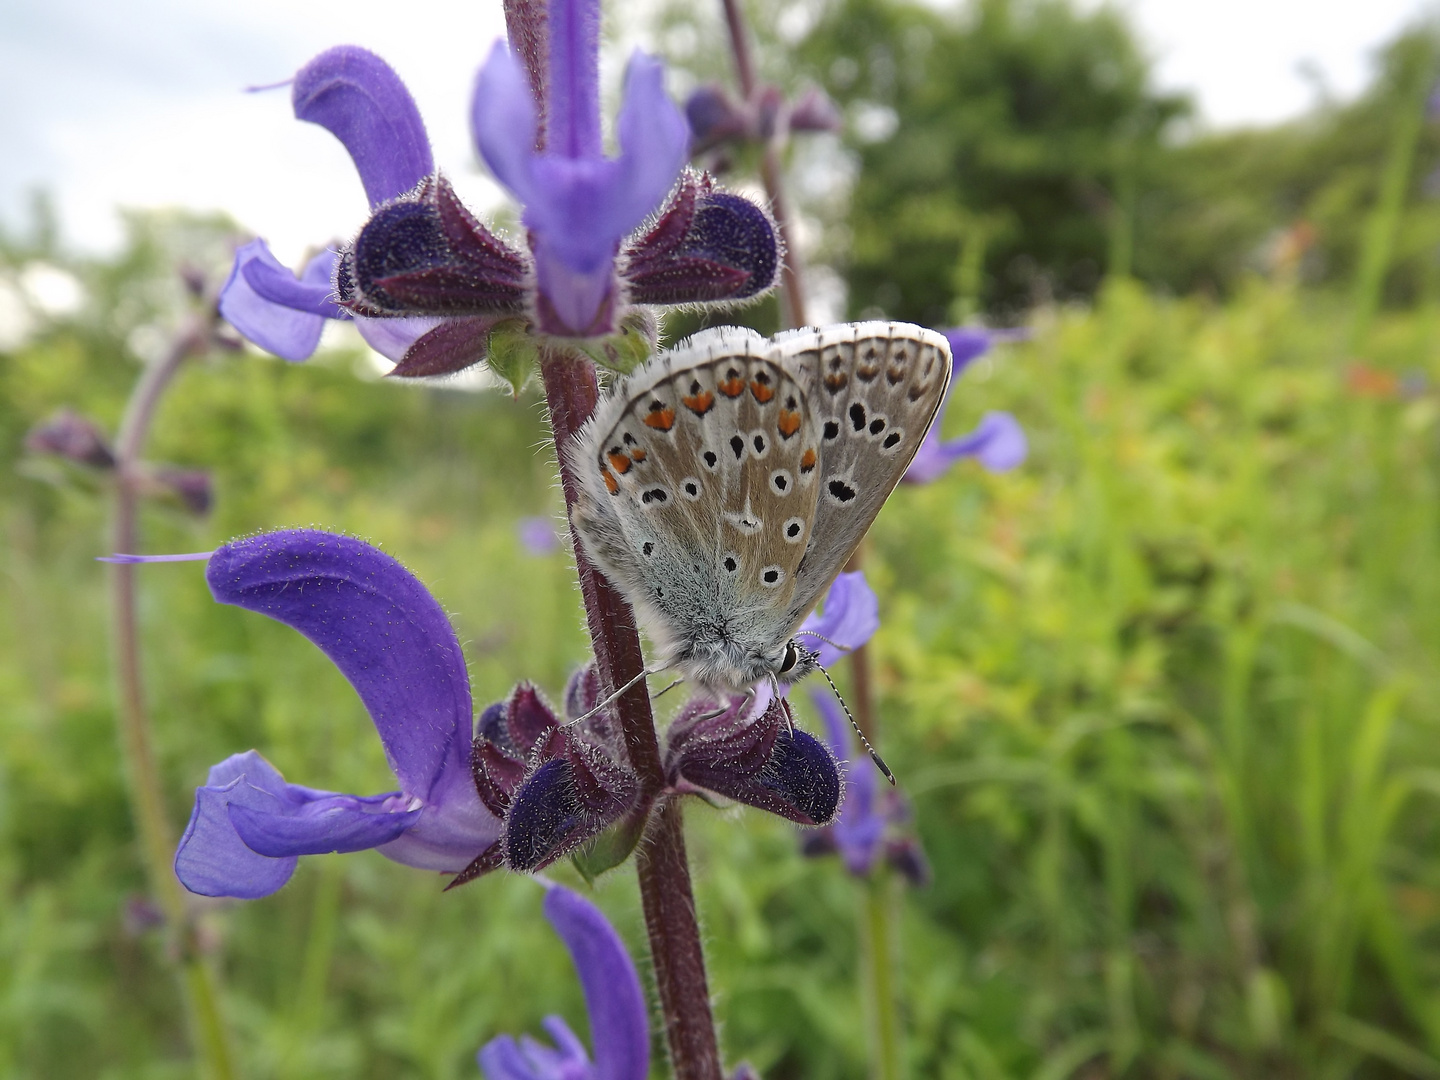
(792, 657)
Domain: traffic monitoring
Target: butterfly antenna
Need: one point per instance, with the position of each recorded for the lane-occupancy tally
(643, 673)
(879, 761)
(822, 637)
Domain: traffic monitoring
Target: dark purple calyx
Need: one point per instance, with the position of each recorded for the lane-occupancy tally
(707, 246)
(454, 345)
(425, 254)
(76, 438)
(765, 762)
(554, 785)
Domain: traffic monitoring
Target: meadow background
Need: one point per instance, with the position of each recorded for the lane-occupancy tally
(1165, 698)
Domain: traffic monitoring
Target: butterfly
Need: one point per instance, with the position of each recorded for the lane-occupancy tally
(725, 483)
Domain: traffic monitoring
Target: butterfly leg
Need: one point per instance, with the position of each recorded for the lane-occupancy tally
(643, 673)
(667, 689)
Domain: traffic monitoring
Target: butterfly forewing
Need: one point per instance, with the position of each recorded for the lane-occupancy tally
(874, 389)
(726, 483)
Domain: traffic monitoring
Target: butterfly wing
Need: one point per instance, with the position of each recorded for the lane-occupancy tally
(874, 389)
(701, 477)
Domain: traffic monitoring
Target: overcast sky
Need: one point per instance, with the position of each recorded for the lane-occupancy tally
(139, 102)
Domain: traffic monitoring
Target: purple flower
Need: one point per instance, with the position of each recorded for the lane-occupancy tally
(538, 536)
(614, 1002)
(579, 204)
(998, 443)
(392, 640)
(73, 437)
(763, 761)
(872, 824)
(428, 283)
(847, 619)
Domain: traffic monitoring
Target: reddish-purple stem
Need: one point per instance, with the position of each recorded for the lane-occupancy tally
(571, 392)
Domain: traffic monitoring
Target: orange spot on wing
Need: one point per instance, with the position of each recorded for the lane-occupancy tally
(762, 392)
(662, 419)
(611, 484)
(732, 387)
(700, 403)
(620, 462)
(807, 462)
(789, 422)
(638, 455)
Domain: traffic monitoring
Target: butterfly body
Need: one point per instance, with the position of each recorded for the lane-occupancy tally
(725, 483)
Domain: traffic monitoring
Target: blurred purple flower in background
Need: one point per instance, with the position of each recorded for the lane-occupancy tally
(393, 642)
(614, 1004)
(428, 284)
(538, 535)
(998, 443)
(847, 619)
(873, 824)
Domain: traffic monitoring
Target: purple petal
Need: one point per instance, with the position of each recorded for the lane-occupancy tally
(572, 113)
(379, 625)
(393, 338)
(356, 96)
(538, 536)
(278, 327)
(212, 860)
(967, 344)
(310, 292)
(503, 121)
(998, 443)
(322, 824)
(619, 1023)
(654, 141)
(849, 617)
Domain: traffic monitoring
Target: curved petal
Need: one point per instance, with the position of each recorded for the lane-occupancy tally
(211, 859)
(310, 292)
(321, 826)
(967, 344)
(998, 443)
(277, 327)
(572, 108)
(654, 143)
(451, 831)
(381, 628)
(615, 1003)
(503, 121)
(360, 100)
(849, 617)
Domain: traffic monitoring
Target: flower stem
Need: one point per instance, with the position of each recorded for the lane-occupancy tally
(877, 939)
(571, 391)
(147, 804)
(792, 274)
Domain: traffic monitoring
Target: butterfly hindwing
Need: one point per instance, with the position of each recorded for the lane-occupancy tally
(701, 477)
(874, 388)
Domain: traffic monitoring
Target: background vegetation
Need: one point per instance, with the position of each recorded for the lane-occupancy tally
(1166, 698)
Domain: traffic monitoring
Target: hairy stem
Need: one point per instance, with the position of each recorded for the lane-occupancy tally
(792, 274)
(147, 804)
(663, 868)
